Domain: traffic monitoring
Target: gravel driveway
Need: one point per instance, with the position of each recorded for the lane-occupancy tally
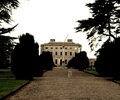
(63, 84)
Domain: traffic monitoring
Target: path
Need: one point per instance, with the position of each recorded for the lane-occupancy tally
(56, 85)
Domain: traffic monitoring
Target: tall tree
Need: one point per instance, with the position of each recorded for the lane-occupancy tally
(6, 43)
(25, 58)
(48, 63)
(6, 7)
(80, 61)
(108, 62)
(105, 21)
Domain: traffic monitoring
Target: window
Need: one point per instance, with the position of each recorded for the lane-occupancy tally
(65, 61)
(60, 53)
(55, 61)
(61, 61)
(65, 53)
(65, 47)
(51, 47)
(75, 48)
(46, 47)
(56, 48)
(52, 53)
(55, 53)
(70, 53)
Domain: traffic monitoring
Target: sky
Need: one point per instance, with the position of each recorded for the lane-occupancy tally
(52, 19)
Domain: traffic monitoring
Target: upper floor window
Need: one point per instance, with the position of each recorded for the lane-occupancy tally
(70, 53)
(65, 53)
(75, 48)
(51, 47)
(65, 47)
(60, 53)
(46, 47)
(51, 53)
(56, 48)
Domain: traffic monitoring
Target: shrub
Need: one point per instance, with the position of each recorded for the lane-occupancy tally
(46, 60)
(80, 61)
(24, 64)
(108, 60)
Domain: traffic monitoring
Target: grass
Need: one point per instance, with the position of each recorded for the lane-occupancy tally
(8, 86)
(116, 81)
(6, 73)
(91, 71)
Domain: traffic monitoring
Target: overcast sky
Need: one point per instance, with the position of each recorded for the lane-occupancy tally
(52, 19)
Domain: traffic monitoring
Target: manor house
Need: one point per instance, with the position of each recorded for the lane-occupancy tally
(62, 52)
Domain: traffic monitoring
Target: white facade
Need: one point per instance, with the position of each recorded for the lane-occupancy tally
(62, 52)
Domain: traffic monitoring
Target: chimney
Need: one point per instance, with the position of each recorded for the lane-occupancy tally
(69, 40)
(52, 40)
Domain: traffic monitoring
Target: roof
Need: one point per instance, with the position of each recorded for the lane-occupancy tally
(61, 44)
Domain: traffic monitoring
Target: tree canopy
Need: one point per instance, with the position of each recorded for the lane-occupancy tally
(80, 61)
(25, 58)
(108, 62)
(6, 7)
(105, 21)
(6, 43)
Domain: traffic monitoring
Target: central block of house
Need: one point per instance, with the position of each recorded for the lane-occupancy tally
(62, 52)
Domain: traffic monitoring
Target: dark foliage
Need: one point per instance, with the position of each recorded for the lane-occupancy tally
(103, 23)
(108, 60)
(105, 59)
(6, 47)
(6, 7)
(6, 44)
(46, 60)
(25, 58)
(80, 61)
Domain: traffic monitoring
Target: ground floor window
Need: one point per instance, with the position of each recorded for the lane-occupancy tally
(65, 61)
(55, 61)
(60, 61)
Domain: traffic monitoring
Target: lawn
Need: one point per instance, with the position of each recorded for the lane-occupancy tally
(6, 73)
(91, 71)
(8, 84)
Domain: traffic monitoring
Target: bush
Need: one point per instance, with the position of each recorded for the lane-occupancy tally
(104, 61)
(80, 61)
(46, 60)
(24, 64)
(108, 60)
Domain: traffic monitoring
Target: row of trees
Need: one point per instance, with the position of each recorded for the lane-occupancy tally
(104, 26)
(25, 60)
(80, 61)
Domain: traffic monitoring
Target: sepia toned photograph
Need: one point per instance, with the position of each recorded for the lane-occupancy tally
(59, 50)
